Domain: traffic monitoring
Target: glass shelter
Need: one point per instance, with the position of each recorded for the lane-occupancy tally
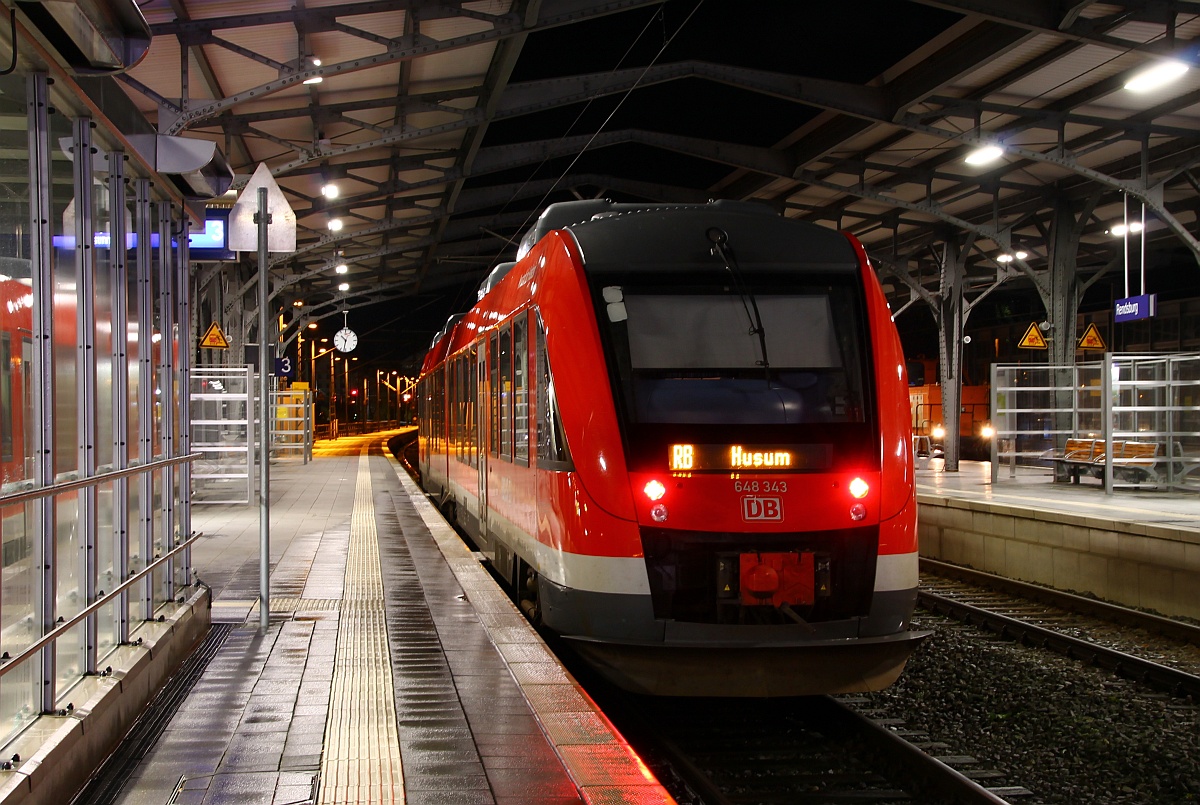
(93, 348)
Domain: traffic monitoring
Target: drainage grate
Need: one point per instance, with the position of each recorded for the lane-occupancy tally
(106, 785)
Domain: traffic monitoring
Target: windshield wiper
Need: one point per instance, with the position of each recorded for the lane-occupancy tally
(721, 248)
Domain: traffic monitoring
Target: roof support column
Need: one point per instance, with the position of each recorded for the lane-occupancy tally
(1061, 298)
(949, 313)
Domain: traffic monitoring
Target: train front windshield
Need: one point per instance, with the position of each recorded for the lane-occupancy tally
(789, 357)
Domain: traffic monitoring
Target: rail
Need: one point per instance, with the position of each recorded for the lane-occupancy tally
(37, 492)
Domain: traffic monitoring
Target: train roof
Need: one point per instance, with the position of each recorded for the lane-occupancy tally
(493, 279)
(676, 237)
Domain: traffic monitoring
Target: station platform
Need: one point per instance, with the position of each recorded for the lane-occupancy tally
(393, 668)
(1036, 487)
(1136, 547)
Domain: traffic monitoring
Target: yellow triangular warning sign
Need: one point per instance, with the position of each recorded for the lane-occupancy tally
(1092, 339)
(214, 338)
(1033, 338)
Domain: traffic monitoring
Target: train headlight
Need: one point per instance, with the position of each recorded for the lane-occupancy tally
(858, 511)
(658, 512)
(655, 490)
(859, 488)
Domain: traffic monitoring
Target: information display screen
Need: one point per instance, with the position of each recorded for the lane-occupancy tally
(748, 457)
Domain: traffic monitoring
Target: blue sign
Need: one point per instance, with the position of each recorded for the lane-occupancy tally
(284, 367)
(1135, 307)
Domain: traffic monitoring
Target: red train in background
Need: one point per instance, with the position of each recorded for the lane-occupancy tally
(681, 434)
(16, 345)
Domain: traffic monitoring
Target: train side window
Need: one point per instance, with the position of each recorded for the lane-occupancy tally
(552, 452)
(439, 409)
(506, 392)
(460, 397)
(448, 367)
(494, 389)
(521, 390)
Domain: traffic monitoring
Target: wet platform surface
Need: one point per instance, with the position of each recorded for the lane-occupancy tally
(1035, 488)
(392, 670)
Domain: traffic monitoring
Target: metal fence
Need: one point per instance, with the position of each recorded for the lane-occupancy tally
(222, 413)
(292, 430)
(1130, 420)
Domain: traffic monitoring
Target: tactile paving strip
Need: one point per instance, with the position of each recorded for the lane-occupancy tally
(361, 761)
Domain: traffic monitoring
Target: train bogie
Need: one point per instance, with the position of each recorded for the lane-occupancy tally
(683, 433)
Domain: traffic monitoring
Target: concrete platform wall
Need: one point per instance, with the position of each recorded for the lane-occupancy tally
(1137, 565)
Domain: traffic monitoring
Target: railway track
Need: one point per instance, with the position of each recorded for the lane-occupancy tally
(810, 750)
(1069, 624)
(837, 749)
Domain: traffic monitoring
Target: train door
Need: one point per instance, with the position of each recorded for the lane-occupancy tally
(481, 437)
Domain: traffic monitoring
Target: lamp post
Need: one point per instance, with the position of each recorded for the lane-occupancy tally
(333, 418)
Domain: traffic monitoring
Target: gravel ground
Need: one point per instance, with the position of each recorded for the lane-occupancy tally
(1068, 732)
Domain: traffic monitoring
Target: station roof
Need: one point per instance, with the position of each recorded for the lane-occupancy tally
(446, 126)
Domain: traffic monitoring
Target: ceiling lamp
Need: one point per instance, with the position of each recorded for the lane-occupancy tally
(341, 268)
(330, 190)
(1159, 75)
(984, 155)
(1120, 230)
(316, 79)
(345, 286)
(1004, 258)
(335, 224)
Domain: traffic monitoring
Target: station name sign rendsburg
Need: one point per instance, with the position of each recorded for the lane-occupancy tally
(1135, 307)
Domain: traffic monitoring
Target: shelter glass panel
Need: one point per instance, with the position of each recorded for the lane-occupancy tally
(65, 287)
(158, 418)
(19, 689)
(107, 544)
(16, 296)
(102, 304)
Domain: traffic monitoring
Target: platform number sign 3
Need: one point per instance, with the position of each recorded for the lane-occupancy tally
(284, 367)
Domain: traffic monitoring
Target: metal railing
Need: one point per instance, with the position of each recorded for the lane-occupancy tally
(46, 640)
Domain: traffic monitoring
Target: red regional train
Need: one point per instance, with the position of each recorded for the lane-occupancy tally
(681, 433)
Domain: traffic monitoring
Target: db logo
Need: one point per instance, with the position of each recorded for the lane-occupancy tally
(758, 508)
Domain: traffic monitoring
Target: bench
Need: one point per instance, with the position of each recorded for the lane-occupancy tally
(1132, 461)
(1136, 461)
(1076, 456)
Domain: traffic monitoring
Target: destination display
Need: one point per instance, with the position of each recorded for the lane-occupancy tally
(748, 458)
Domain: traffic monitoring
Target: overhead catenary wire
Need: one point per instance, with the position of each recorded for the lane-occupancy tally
(611, 114)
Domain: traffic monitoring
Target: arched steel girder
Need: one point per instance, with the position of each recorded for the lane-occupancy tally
(1150, 192)
(875, 104)
(550, 14)
(1065, 19)
(865, 102)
